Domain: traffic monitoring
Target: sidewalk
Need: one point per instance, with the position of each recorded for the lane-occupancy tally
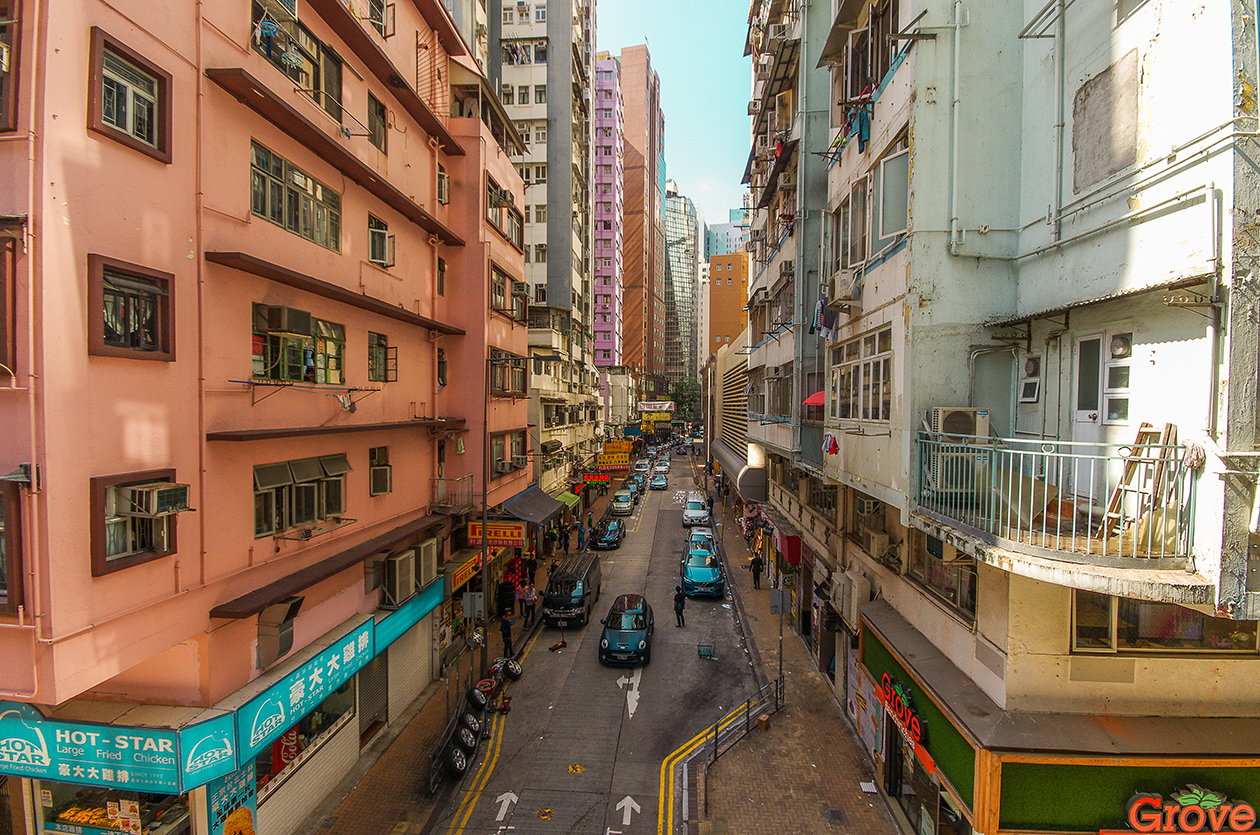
(801, 776)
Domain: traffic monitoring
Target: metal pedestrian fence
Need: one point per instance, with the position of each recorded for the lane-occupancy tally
(734, 726)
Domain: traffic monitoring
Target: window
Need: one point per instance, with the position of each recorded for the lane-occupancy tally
(121, 538)
(540, 94)
(540, 213)
(377, 16)
(441, 367)
(540, 132)
(859, 69)
(883, 47)
(540, 253)
(522, 94)
(443, 186)
(441, 277)
(380, 243)
(293, 346)
(290, 494)
(285, 195)
(378, 129)
(953, 583)
(310, 732)
(130, 313)
(9, 14)
(861, 378)
(508, 94)
(507, 452)
(507, 374)
(540, 52)
(10, 547)
(380, 474)
(540, 12)
(540, 173)
(296, 52)
(857, 224)
(516, 53)
(1101, 623)
(508, 17)
(129, 98)
(892, 190)
(382, 359)
(1117, 372)
(540, 294)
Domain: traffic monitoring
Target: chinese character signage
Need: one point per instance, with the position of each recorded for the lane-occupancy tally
(618, 446)
(657, 406)
(596, 478)
(614, 461)
(268, 715)
(499, 534)
(207, 750)
(1193, 809)
(234, 802)
(142, 759)
(658, 417)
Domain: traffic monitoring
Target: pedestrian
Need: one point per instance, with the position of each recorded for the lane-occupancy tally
(680, 601)
(550, 541)
(528, 602)
(755, 567)
(505, 627)
(531, 568)
(564, 540)
(590, 520)
(520, 599)
(709, 502)
(581, 532)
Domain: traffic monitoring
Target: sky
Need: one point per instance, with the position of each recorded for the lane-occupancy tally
(697, 48)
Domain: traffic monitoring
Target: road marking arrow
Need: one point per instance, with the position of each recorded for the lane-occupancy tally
(631, 684)
(505, 801)
(627, 807)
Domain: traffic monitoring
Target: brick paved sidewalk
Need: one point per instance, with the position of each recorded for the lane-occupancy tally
(801, 776)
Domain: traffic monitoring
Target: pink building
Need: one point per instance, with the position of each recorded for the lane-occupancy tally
(248, 308)
(609, 189)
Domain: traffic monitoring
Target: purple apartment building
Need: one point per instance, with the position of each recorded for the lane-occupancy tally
(609, 169)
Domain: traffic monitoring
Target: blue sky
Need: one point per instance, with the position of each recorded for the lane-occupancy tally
(697, 49)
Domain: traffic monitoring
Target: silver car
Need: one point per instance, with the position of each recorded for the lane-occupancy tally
(695, 511)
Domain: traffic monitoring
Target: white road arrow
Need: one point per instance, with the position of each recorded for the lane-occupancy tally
(627, 807)
(631, 683)
(505, 801)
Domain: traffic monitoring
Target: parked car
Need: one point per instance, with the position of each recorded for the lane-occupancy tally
(572, 589)
(608, 534)
(662, 467)
(683, 449)
(702, 574)
(696, 511)
(659, 482)
(627, 637)
(635, 486)
(622, 503)
(702, 539)
(643, 465)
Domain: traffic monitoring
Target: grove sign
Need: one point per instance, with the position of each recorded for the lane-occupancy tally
(1194, 809)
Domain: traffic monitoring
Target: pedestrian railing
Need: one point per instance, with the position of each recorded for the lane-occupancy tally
(734, 726)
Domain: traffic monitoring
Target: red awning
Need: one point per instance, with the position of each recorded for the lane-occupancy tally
(816, 399)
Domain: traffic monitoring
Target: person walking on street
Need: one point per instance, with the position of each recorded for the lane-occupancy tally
(520, 598)
(564, 540)
(531, 568)
(528, 601)
(581, 532)
(755, 567)
(680, 601)
(709, 501)
(505, 627)
(590, 520)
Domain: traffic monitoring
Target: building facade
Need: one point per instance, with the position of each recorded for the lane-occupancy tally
(609, 206)
(732, 236)
(244, 271)
(728, 298)
(681, 280)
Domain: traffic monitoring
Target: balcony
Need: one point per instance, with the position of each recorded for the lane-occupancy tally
(1105, 505)
(452, 495)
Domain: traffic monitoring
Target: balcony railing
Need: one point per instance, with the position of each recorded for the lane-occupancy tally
(452, 495)
(1109, 505)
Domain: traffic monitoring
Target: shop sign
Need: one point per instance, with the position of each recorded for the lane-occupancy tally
(265, 717)
(618, 446)
(1194, 809)
(466, 571)
(234, 801)
(595, 478)
(498, 534)
(396, 624)
(660, 417)
(613, 461)
(207, 750)
(658, 406)
(896, 699)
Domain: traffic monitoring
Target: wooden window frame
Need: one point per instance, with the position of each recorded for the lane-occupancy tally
(8, 304)
(11, 10)
(11, 503)
(101, 40)
(100, 485)
(97, 264)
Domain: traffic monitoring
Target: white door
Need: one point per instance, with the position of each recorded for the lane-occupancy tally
(1087, 417)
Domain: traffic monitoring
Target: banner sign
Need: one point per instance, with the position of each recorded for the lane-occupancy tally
(1193, 809)
(657, 406)
(265, 717)
(208, 750)
(616, 461)
(658, 417)
(499, 534)
(234, 802)
(596, 478)
(618, 446)
(896, 699)
(466, 571)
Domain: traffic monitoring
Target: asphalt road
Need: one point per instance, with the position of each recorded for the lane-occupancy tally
(582, 748)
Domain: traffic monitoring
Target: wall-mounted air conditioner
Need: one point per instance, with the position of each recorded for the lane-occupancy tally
(154, 500)
(428, 550)
(289, 321)
(520, 461)
(754, 107)
(874, 542)
(958, 431)
(503, 466)
(958, 422)
(866, 506)
(849, 596)
(400, 578)
(841, 285)
(778, 31)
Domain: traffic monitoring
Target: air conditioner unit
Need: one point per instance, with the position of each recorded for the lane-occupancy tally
(761, 142)
(866, 506)
(288, 320)
(520, 461)
(778, 31)
(754, 107)
(520, 288)
(400, 578)
(962, 434)
(428, 563)
(275, 630)
(842, 285)
(381, 480)
(757, 235)
(874, 542)
(154, 500)
(956, 423)
(787, 267)
(849, 596)
(541, 42)
(503, 466)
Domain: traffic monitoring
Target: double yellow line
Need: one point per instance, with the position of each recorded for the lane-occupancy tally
(665, 791)
(469, 803)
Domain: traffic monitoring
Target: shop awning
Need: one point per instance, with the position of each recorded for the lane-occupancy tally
(787, 538)
(749, 482)
(569, 499)
(533, 505)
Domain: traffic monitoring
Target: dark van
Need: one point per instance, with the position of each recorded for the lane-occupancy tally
(572, 589)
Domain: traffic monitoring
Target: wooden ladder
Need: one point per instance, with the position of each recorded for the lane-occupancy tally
(1137, 465)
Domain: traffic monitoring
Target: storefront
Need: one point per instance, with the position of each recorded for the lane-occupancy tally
(957, 763)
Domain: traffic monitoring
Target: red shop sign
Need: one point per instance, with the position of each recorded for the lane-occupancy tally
(896, 699)
(1194, 809)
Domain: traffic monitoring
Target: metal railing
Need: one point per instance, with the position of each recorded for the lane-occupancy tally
(734, 726)
(453, 494)
(1116, 505)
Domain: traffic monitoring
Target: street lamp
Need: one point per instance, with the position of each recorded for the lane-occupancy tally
(491, 361)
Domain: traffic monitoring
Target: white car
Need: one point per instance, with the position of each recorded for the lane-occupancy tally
(696, 511)
(701, 539)
(662, 468)
(642, 465)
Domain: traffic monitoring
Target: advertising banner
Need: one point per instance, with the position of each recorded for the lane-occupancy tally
(466, 571)
(207, 750)
(595, 478)
(657, 406)
(618, 446)
(658, 417)
(498, 534)
(616, 461)
(265, 717)
(234, 802)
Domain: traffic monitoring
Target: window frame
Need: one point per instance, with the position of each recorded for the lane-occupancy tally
(8, 304)
(11, 36)
(320, 196)
(382, 359)
(100, 486)
(920, 555)
(1114, 647)
(164, 313)
(101, 41)
(849, 364)
(378, 124)
(11, 542)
